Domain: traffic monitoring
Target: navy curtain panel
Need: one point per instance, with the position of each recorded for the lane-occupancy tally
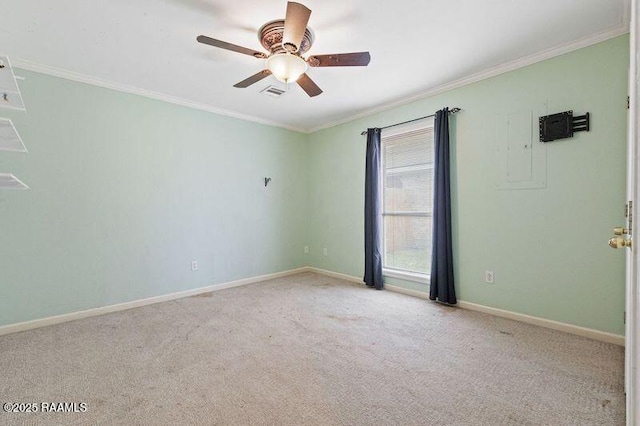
(441, 280)
(373, 213)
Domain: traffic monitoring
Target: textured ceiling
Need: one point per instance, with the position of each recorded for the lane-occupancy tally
(149, 46)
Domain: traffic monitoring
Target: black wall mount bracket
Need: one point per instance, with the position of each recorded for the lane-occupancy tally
(562, 125)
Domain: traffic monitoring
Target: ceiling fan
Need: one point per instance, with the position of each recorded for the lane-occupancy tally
(287, 40)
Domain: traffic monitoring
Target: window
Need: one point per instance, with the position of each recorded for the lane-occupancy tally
(407, 196)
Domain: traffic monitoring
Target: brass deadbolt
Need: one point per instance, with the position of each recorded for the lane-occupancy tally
(618, 242)
(620, 231)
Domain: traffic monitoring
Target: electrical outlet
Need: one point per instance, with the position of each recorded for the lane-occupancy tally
(489, 277)
(306, 249)
(194, 265)
(324, 251)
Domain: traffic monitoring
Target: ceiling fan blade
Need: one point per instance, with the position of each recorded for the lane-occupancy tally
(308, 85)
(357, 59)
(228, 46)
(295, 25)
(253, 79)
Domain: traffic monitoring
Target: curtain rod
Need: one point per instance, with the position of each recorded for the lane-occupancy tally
(452, 111)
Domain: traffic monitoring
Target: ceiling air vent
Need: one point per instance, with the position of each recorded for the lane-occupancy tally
(273, 91)
(9, 181)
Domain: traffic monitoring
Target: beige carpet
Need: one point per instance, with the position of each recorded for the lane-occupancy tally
(308, 349)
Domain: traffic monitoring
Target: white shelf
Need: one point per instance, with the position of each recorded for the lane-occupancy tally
(9, 138)
(9, 181)
(10, 96)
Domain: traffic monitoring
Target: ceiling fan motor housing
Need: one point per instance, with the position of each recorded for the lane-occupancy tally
(270, 36)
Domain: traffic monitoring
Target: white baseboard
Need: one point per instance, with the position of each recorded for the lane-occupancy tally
(590, 333)
(542, 322)
(338, 275)
(43, 322)
(407, 291)
(555, 325)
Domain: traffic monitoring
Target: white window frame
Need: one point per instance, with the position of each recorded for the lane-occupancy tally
(392, 272)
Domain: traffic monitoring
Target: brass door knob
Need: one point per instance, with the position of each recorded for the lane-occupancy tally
(618, 242)
(620, 231)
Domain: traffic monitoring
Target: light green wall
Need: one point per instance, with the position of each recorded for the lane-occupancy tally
(126, 191)
(548, 247)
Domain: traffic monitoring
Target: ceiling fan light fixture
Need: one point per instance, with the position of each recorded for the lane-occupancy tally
(286, 67)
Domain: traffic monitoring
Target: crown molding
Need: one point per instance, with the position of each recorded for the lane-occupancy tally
(580, 43)
(95, 81)
(562, 49)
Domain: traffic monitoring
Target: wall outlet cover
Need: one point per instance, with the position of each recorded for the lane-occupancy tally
(489, 277)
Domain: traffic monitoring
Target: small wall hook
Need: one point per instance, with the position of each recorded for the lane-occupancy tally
(266, 181)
